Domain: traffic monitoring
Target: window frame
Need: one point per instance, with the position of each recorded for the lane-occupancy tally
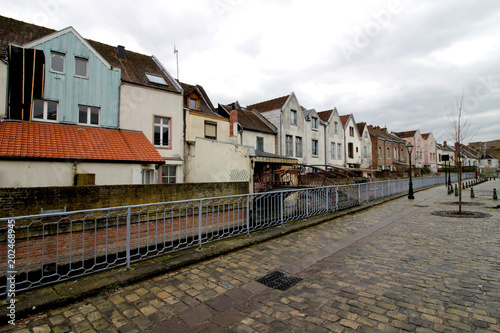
(165, 179)
(314, 147)
(259, 143)
(86, 67)
(351, 131)
(89, 115)
(288, 145)
(293, 117)
(365, 152)
(63, 55)
(161, 126)
(298, 147)
(350, 150)
(333, 150)
(336, 127)
(339, 151)
(45, 110)
(314, 123)
(210, 123)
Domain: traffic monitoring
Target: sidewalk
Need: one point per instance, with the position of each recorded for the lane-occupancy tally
(392, 267)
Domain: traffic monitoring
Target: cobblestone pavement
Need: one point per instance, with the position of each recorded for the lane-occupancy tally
(392, 268)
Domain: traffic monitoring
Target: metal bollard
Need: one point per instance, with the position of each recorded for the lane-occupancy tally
(495, 195)
(456, 190)
(472, 193)
(450, 189)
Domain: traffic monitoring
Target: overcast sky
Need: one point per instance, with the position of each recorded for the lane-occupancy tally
(401, 64)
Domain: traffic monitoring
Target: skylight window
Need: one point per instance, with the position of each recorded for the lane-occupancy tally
(156, 79)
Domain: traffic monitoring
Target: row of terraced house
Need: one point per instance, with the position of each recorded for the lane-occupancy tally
(80, 112)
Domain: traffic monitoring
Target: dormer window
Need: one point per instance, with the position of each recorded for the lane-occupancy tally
(314, 122)
(156, 79)
(193, 103)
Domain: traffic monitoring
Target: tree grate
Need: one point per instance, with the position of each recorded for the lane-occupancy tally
(278, 280)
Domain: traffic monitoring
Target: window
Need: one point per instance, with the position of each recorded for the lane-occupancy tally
(395, 153)
(365, 152)
(148, 176)
(379, 152)
(315, 147)
(210, 130)
(339, 151)
(162, 132)
(169, 174)
(366, 134)
(193, 103)
(156, 79)
(298, 146)
(57, 62)
(336, 127)
(45, 110)
(351, 131)
(260, 143)
(88, 115)
(288, 145)
(350, 150)
(81, 67)
(388, 153)
(314, 122)
(293, 117)
(332, 150)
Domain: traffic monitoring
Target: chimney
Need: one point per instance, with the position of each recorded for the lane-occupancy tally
(233, 123)
(444, 144)
(120, 52)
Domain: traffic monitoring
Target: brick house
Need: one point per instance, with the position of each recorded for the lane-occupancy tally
(388, 151)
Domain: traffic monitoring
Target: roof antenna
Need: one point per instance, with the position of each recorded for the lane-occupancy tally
(176, 52)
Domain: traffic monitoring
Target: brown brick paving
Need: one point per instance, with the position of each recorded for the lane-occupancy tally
(392, 268)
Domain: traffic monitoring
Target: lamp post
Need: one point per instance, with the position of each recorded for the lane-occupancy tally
(409, 146)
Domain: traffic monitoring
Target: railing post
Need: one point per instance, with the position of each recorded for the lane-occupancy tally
(336, 198)
(248, 214)
(327, 199)
(359, 194)
(307, 203)
(200, 221)
(281, 207)
(128, 238)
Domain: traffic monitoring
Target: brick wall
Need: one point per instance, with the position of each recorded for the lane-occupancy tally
(29, 200)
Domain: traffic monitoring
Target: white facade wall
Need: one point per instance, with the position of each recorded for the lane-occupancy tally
(295, 131)
(249, 138)
(40, 174)
(355, 140)
(336, 159)
(3, 89)
(138, 107)
(195, 126)
(366, 146)
(216, 161)
(314, 134)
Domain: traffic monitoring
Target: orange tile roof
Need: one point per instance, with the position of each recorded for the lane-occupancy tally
(37, 140)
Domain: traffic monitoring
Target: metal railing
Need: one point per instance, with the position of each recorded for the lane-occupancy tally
(44, 249)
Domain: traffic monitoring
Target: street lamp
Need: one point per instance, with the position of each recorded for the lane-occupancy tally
(409, 146)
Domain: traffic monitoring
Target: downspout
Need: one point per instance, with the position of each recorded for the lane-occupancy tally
(326, 141)
(345, 150)
(281, 133)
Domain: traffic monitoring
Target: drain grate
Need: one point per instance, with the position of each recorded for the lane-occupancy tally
(278, 280)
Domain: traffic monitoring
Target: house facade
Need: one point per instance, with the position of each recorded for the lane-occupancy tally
(365, 146)
(59, 78)
(285, 113)
(388, 151)
(314, 130)
(430, 152)
(415, 138)
(352, 142)
(333, 138)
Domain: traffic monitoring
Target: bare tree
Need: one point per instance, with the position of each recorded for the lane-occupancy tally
(460, 132)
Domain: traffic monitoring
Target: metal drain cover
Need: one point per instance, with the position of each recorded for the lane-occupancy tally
(278, 280)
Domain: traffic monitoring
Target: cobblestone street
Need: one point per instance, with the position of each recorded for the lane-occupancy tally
(392, 268)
